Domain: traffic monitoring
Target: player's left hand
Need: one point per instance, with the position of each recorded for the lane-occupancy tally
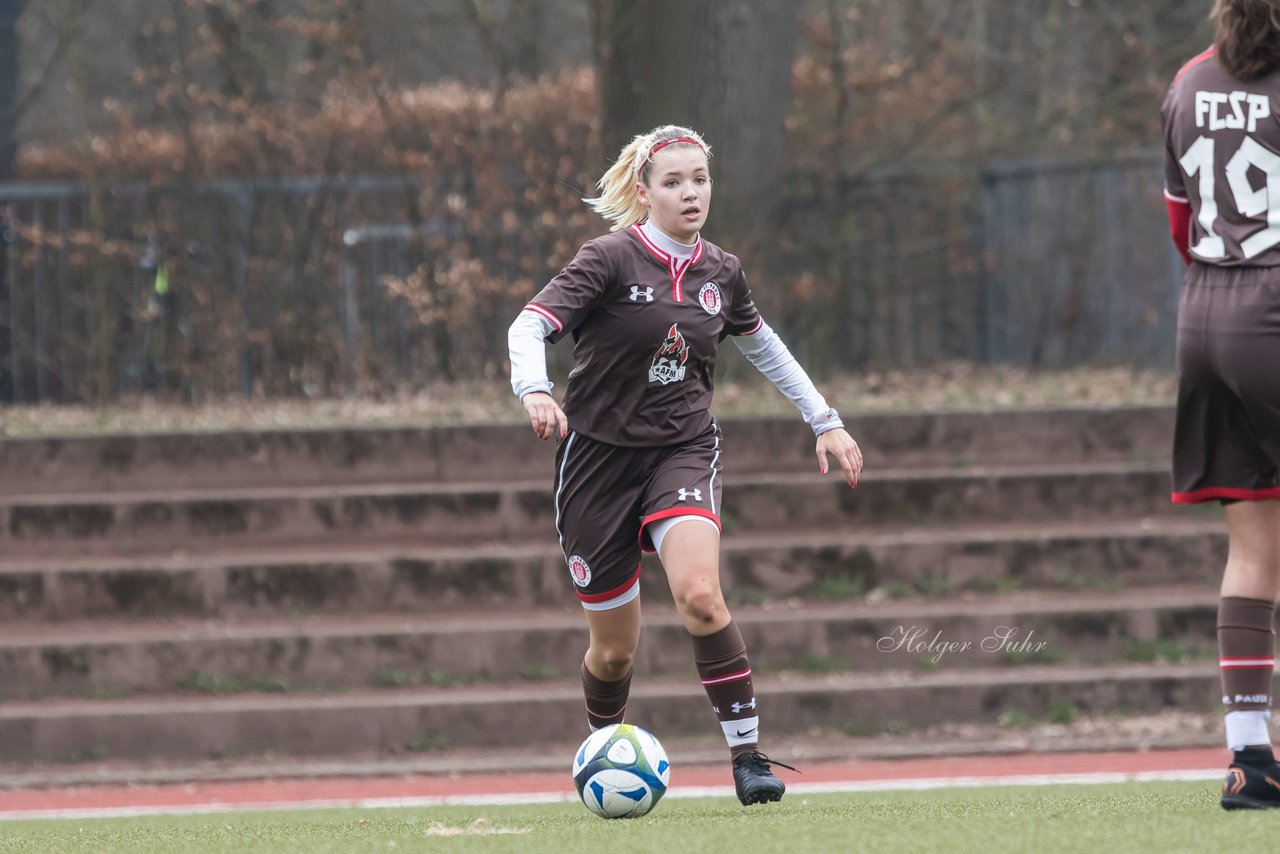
(839, 444)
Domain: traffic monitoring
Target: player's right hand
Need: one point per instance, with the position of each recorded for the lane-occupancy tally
(544, 415)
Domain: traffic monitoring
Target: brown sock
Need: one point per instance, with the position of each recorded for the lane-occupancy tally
(726, 676)
(606, 701)
(1246, 657)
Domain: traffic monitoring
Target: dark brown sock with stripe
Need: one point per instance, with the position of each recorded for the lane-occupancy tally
(606, 701)
(1246, 653)
(726, 676)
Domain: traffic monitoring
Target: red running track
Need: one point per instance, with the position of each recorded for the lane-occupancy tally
(421, 790)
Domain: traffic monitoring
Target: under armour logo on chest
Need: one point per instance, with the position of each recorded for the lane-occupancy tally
(638, 294)
(686, 494)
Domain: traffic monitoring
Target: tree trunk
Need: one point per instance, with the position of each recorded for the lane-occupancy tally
(528, 37)
(72, 23)
(8, 147)
(8, 85)
(722, 68)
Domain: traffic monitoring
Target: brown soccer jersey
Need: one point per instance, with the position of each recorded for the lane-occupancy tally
(1222, 139)
(646, 327)
(1222, 155)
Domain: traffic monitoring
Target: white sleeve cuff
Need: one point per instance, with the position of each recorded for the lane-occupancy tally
(765, 350)
(527, 349)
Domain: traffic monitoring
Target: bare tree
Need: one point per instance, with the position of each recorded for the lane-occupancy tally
(72, 20)
(8, 115)
(723, 68)
(9, 10)
(513, 42)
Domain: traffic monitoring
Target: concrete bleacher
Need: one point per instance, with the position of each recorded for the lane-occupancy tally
(330, 593)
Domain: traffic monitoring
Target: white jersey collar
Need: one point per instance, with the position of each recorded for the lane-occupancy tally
(668, 244)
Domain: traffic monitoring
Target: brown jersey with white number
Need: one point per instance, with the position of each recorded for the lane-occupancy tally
(645, 327)
(1222, 155)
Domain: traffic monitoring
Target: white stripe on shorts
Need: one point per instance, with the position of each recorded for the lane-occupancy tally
(658, 530)
(617, 601)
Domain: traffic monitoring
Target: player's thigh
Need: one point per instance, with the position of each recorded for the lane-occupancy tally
(615, 632)
(1254, 531)
(690, 557)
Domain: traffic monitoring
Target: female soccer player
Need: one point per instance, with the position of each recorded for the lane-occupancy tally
(1222, 183)
(638, 464)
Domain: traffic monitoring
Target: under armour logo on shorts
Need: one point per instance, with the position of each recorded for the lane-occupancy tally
(686, 494)
(637, 294)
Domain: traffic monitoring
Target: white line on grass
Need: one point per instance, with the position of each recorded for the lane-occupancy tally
(518, 798)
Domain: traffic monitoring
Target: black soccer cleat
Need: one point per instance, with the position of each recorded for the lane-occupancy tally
(754, 781)
(1250, 786)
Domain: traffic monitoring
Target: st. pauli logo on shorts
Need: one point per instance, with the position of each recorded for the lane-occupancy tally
(709, 298)
(668, 362)
(580, 571)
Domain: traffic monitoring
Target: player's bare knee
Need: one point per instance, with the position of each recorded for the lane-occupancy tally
(615, 661)
(701, 602)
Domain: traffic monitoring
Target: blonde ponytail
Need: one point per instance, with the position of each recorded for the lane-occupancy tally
(618, 201)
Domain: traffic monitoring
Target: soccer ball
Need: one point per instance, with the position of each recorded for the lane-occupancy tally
(621, 771)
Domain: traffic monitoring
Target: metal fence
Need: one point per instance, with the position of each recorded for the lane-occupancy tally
(1048, 264)
(203, 291)
(328, 287)
(1079, 266)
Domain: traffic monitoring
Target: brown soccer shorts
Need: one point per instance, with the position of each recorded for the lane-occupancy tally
(1227, 437)
(605, 495)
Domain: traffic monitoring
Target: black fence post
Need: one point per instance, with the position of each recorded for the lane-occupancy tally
(8, 269)
(243, 200)
(8, 97)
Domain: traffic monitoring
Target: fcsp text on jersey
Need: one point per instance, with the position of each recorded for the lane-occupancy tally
(1221, 110)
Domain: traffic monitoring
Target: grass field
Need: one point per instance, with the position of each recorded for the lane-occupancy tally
(951, 386)
(1134, 817)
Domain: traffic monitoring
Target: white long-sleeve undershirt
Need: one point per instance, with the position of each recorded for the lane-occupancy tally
(765, 350)
(526, 343)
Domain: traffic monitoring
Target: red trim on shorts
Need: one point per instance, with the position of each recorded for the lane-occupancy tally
(615, 592)
(542, 312)
(1209, 493)
(1194, 61)
(675, 511)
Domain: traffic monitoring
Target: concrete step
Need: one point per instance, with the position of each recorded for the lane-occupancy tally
(425, 514)
(494, 452)
(813, 566)
(380, 650)
(177, 728)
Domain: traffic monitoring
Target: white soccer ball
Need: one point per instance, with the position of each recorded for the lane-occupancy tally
(621, 771)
